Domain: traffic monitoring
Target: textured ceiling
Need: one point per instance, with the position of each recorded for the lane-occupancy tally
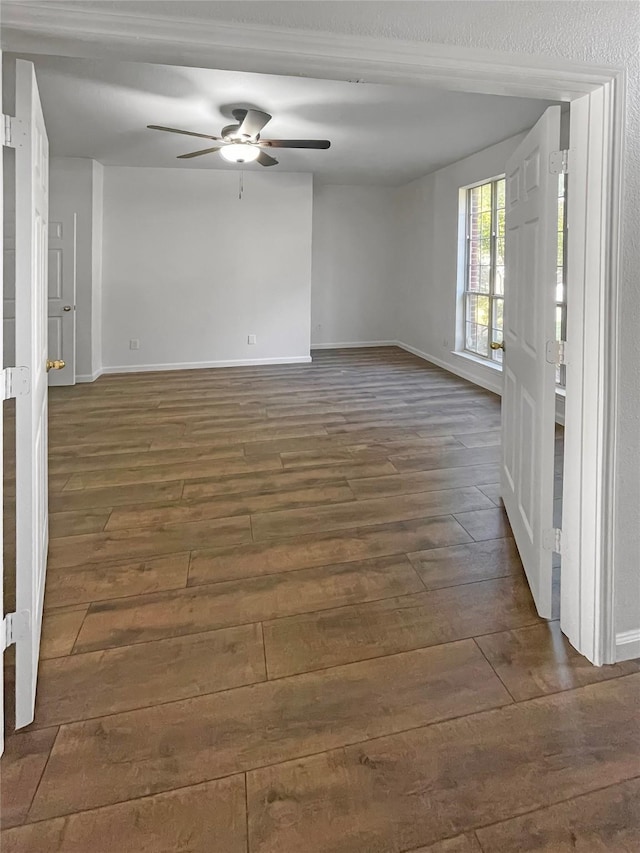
(380, 134)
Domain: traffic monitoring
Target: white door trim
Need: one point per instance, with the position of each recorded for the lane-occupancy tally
(589, 516)
(596, 164)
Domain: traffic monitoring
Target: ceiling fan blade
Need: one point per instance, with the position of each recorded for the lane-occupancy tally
(295, 143)
(253, 123)
(197, 153)
(185, 132)
(265, 159)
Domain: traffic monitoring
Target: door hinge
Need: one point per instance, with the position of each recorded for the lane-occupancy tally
(557, 352)
(7, 134)
(13, 131)
(559, 162)
(15, 626)
(16, 382)
(552, 540)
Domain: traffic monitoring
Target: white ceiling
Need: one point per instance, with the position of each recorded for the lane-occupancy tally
(379, 134)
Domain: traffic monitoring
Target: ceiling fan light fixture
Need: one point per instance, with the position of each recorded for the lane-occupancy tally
(240, 152)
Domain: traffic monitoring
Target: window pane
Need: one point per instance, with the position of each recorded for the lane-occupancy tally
(474, 200)
(474, 241)
(483, 341)
(559, 285)
(473, 278)
(470, 337)
(496, 354)
(485, 237)
(484, 286)
(486, 196)
(560, 248)
(478, 309)
(558, 322)
(561, 214)
(498, 315)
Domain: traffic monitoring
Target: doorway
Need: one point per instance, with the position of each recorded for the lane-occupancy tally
(581, 461)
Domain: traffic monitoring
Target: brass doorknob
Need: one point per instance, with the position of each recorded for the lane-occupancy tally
(496, 345)
(58, 364)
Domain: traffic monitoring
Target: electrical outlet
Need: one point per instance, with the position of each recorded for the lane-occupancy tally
(251, 339)
(134, 343)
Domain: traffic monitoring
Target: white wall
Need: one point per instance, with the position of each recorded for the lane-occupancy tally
(190, 270)
(74, 187)
(96, 266)
(385, 262)
(353, 276)
(427, 259)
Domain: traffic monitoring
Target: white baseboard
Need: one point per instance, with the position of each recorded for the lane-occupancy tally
(356, 345)
(493, 384)
(89, 377)
(197, 365)
(445, 365)
(461, 371)
(628, 645)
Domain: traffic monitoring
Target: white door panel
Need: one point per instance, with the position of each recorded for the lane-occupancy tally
(62, 298)
(32, 531)
(2, 273)
(9, 293)
(528, 402)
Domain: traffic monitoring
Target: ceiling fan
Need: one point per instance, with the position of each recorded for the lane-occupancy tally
(241, 142)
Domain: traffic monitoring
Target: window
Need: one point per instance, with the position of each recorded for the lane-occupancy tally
(484, 270)
(561, 274)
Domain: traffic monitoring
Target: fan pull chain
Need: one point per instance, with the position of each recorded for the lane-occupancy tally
(241, 186)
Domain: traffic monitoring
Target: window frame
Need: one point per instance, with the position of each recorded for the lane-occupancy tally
(493, 358)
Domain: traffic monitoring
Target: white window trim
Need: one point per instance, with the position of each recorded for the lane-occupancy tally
(463, 270)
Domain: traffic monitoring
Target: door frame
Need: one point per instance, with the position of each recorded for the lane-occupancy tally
(596, 94)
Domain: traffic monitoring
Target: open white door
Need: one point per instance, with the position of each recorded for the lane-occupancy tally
(3, 636)
(528, 401)
(32, 529)
(62, 298)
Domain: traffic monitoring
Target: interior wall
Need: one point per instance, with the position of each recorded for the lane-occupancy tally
(190, 270)
(353, 276)
(96, 266)
(427, 260)
(75, 187)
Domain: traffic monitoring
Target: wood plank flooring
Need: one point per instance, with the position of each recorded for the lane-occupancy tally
(284, 612)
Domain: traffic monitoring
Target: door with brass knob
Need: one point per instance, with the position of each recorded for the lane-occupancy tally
(61, 295)
(497, 345)
(56, 364)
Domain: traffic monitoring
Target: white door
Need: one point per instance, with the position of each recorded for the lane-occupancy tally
(62, 298)
(9, 292)
(32, 529)
(2, 644)
(528, 402)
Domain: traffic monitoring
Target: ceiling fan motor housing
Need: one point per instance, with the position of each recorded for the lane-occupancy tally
(230, 133)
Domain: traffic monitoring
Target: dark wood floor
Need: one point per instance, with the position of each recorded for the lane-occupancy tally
(284, 614)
